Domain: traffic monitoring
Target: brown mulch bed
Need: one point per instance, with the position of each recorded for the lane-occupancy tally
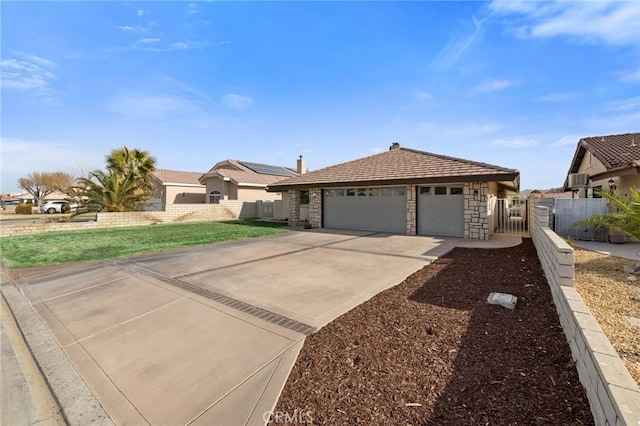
(432, 351)
(603, 284)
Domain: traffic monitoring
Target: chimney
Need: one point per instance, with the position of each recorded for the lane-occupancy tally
(301, 166)
(394, 145)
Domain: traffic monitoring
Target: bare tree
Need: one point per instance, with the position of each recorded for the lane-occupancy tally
(41, 184)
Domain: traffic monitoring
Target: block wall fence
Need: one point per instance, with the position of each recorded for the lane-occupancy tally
(613, 395)
(226, 210)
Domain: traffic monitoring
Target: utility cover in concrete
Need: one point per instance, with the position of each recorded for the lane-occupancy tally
(503, 299)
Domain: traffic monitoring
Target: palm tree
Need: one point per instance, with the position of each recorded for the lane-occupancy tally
(132, 162)
(627, 217)
(113, 191)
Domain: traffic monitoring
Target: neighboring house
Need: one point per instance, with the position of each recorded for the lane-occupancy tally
(605, 162)
(403, 191)
(176, 187)
(245, 181)
(25, 197)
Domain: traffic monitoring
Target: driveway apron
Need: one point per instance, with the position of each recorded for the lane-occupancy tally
(208, 335)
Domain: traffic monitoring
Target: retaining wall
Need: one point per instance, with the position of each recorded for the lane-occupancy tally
(226, 210)
(613, 394)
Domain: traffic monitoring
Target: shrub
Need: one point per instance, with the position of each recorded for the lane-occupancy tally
(24, 209)
(65, 208)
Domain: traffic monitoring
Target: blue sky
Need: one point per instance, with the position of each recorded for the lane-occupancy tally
(506, 82)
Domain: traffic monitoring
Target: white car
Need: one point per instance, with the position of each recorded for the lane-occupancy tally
(56, 206)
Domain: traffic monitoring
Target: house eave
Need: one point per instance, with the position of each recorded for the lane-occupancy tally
(507, 177)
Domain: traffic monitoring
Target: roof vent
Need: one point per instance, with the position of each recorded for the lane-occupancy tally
(577, 180)
(394, 145)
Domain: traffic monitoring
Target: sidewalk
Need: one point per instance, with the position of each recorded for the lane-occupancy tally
(25, 398)
(627, 251)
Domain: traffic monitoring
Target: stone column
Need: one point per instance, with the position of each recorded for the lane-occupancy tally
(294, 207)
(315, 207)
(411, 209)
(476, 209)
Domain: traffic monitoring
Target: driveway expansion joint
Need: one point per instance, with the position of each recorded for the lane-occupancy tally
(230, 302)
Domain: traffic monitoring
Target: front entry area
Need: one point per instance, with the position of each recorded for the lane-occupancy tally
(382, 209)
(441, 210)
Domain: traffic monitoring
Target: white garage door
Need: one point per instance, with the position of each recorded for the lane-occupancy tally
(441, 211)
(369, 209)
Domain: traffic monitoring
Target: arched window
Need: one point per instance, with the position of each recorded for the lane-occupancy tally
(214, 197)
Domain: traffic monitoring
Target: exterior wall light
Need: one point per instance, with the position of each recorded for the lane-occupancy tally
(612, 185)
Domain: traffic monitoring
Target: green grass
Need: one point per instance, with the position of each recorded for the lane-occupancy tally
(99, 244)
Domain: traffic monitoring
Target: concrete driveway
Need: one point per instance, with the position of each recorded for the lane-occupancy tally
(208, 335)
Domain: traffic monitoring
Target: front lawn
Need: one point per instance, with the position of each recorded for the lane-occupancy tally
(99, 244)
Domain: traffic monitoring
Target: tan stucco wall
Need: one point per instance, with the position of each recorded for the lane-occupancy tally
(226, 188)
(253, 194)
(193, 195)
(591, 165)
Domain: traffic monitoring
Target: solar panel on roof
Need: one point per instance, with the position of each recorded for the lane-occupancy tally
(267, 169)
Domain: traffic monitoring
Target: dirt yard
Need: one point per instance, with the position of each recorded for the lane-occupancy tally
(432, 351)
(603, 284)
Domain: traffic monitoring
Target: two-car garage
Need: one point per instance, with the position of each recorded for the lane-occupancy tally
(440, 209)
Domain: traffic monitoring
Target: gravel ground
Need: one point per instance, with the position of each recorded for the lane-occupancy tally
(603, 284)
(432, 351)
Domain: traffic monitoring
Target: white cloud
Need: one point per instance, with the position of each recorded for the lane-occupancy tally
(149, 107)
(567, 140)
(126, 28)
(458, 45)
(604, 22)
(629, 104)
(628, 76)
(20, 157)
(193, 8)
(516, 143)
(147, 40)
(140, 12)
(495, 85)
(557, 97)
(32, 73)
(237, 101)
(422, 95)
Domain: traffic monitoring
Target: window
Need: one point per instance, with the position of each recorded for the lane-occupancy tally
(373, 192)
(441, 190)
(596, 191)
(425, 190)
(339, 192)
(304, 197)
(328, 192)
(455, 190)
(399, 192)
(362, 192)
(385, 192)
(351, 192)
(214, 197)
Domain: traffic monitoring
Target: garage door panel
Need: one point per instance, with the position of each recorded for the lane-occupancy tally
(369, 209)
(441, 211)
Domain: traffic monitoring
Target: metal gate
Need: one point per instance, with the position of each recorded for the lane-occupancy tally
(509, 216)
(570, 210)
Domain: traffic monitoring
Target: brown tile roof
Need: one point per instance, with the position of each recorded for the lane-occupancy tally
(613, 151)
(174, 176)
(401, 165)
(240, 174)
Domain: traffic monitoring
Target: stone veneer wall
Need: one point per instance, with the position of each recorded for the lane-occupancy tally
(476, 211)
(613, 395)
(226, 210)
(315, 207)
(294, 207)
(411, 209)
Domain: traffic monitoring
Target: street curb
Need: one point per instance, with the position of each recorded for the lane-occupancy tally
(77, 404)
